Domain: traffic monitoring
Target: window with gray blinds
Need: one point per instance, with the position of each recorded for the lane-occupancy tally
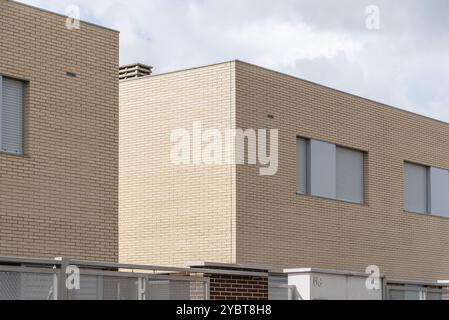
(330, 171)
(350, 177)
(322, 169)
(439, 191)
(11, 115)
(415, 188)
(426, 189)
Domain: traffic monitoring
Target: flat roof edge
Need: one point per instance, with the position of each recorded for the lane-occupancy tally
(228, 265)
(179, 70)
(382, 104)
(327, 271)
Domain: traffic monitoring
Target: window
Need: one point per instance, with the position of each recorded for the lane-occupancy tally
(415, 189)
(350, 175)
(302, 164)
(11, 115)
(330, 171)
(426, 189)
(322, 167)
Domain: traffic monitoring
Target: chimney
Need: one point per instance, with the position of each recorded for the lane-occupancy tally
(136, 70)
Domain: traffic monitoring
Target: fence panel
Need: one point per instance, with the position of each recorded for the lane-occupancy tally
(117, 285)
(44, 279)
(27, 284)
(415, 292)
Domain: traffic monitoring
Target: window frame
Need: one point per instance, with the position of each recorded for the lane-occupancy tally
(427, 186)
(308, 179)
(362, 154)
(24, 90)
(306, 171)
(428, 190)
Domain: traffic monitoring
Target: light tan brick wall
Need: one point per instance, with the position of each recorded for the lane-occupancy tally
(60, 197)
(276, 226)
(172, 214)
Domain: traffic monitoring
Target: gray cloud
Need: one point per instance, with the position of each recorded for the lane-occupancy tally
(404, 64)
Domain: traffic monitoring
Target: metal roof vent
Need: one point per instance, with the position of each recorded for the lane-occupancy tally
(136, 70)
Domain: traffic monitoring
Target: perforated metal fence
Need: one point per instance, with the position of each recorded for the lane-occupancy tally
(124, 287)
(415, 292)
(19, 283)
(40, 279)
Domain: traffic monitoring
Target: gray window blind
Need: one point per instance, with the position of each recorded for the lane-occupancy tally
(439, 192)
(322, 169)
(11, 116)
(415, 188)
(325, 170)
(350, 178)
(301, 165)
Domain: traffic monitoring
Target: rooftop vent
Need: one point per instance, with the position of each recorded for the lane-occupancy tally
(136, 70)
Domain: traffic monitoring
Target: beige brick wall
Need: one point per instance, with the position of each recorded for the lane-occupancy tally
(60, 197)
(278, 227)
(172, 214)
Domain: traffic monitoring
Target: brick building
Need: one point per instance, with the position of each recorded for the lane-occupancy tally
(59, 136)
(359, 183)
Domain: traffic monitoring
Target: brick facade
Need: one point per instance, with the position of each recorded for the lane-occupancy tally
(171, 214)
(60, 197)
(235, 282)
(278, 227)
(235, 287)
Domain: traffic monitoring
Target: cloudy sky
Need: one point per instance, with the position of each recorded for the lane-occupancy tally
(405, 63)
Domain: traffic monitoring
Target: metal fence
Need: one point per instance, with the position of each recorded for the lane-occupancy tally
(398, 291)
(278, 288)
(41, 279)
(23, 283)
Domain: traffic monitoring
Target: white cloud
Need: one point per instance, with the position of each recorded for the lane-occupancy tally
(403, 64)
(278, 44)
